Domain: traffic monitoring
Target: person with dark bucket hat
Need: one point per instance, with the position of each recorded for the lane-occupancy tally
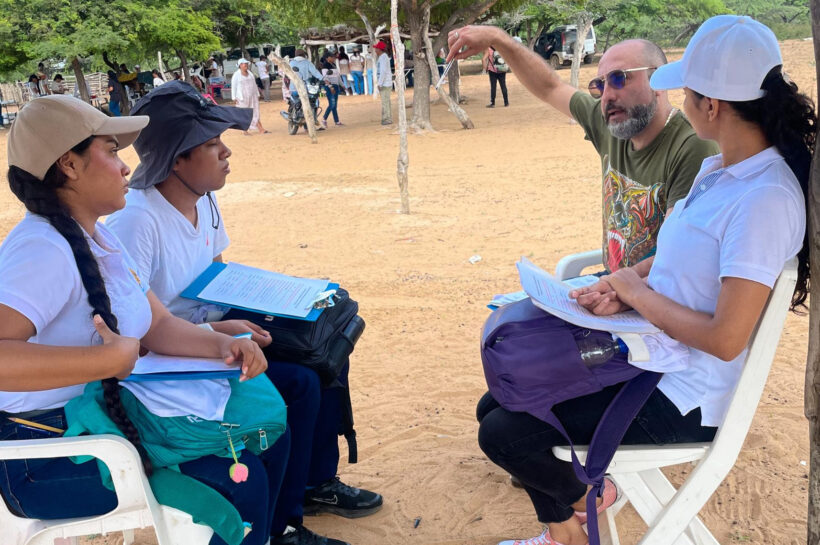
(172, 227)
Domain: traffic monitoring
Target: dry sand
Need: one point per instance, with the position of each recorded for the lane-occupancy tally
(524, 182)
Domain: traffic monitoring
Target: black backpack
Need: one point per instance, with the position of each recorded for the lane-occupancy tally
(324, 345)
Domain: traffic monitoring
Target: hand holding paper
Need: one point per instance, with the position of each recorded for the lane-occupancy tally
(553, 296)
(245, 352)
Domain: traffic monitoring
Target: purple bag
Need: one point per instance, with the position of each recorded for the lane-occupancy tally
(531, 362)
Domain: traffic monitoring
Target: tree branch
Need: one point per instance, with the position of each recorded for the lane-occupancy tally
(465, 15)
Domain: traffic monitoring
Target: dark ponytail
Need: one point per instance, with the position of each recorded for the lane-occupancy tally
(789, 123)
(40, 197)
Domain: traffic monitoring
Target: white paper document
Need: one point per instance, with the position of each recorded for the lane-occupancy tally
(159, 363)
(267, 292)
(552, 295)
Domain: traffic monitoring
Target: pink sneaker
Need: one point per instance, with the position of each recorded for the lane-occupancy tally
(610, 496)
(543, 539)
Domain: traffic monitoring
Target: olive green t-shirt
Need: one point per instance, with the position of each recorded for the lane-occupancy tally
(639, 185)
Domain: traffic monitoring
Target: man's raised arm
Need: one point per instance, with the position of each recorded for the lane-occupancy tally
(530, 69)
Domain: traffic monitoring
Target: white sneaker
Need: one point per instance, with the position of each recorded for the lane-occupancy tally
(543, 539)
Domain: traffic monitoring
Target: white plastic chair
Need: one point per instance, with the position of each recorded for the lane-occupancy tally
(672, 514)
(136, 507)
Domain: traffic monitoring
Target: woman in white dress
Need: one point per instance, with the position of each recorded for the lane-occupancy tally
(245, 93)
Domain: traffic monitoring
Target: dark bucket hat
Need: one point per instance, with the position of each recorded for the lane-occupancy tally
(181, 119)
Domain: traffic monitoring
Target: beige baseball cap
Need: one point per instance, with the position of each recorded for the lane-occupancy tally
(48, 127)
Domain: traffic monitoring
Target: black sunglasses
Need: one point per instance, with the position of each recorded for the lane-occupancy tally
(616, 79)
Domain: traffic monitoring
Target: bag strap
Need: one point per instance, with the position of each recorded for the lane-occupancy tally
(608, 435)
(346, 427)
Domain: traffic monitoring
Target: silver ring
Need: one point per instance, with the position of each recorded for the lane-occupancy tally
(456, 35)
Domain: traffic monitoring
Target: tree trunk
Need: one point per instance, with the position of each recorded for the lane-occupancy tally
(454, 82)
(419, 21)
(186, 73)
(534, 38)
(812, 388)
(243, 45)
(301, 89)
(78, 74)
(583, 24)
(373, 38)
(403, 161)
(457, 110)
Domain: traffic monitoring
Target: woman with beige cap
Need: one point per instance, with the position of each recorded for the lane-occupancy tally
(74, 311)
(719, 252)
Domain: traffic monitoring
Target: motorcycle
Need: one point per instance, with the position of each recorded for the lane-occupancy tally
(295, 116)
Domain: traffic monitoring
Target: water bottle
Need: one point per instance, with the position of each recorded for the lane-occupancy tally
(597, 350)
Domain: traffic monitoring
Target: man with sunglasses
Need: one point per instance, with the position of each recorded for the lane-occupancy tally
(649, 152)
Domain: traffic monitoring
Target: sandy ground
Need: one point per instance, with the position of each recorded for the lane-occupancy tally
(524, 182)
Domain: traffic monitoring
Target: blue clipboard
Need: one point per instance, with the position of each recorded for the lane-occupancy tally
(192, 292)
(186, 375)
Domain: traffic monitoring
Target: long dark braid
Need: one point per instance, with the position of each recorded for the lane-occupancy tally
(788, 120)
(40, 197)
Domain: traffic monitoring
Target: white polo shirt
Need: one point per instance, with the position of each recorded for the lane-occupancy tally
(169, 251)
(747, 225)
(39, 279)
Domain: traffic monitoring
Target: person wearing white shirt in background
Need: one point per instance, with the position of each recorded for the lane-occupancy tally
(357, 71)
(264, 76)
(719, 253)
(384, 80)
(157, 79)
(245, 93)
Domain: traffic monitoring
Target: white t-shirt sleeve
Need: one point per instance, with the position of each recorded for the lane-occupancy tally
(36, 279)
(748, 249)
(138, 234)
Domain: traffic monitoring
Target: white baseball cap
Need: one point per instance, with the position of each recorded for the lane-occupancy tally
(243, 61)
(728, 58)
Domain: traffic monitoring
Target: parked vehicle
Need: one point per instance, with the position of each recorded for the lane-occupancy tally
(558, 45)
(295, 116)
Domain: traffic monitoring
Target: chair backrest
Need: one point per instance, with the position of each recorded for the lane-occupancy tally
(724, 449)
(759, 357)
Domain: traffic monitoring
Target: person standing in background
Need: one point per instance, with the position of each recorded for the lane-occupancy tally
(357, 71)
(264, 76)
(498, 74)
(246, 94)
(331, 86)
(384, 81)
(344, 70)
(114, 94)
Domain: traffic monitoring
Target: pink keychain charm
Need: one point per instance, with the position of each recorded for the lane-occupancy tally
(238, 471)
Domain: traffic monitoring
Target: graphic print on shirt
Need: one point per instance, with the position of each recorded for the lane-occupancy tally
(632, 216)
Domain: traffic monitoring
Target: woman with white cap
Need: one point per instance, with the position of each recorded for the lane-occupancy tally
(719, 253)
(245, 93)
(73, 311)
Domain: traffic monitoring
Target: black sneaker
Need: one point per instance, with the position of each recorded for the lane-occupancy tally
(336, 497)
(302, 536)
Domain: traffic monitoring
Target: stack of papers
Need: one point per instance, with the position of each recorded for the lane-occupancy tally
(257, 290)
(552, 295)
(160, 367)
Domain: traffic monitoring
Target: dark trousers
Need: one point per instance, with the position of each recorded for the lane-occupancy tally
(501, 78)
(522, 444)
(313, 419)
(54, 488)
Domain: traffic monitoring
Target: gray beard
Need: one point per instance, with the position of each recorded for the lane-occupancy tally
(639, 118)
